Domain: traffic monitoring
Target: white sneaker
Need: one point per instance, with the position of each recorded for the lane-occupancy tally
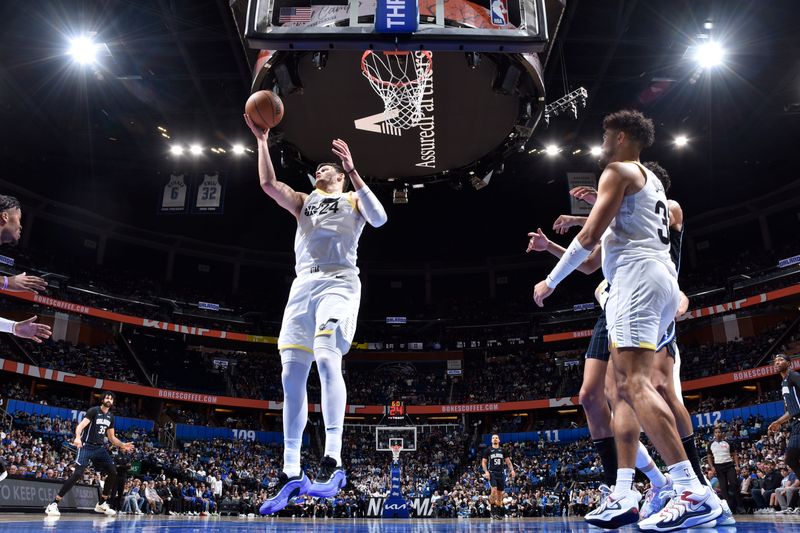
(619, 509)
(788, 510)
(687, 509)
(103, 508)
(52, 510)
(655, 500)
(3, 475)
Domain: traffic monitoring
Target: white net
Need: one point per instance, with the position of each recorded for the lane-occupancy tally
(400, 79)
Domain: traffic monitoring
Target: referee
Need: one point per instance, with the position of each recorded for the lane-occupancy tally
(790, 389)
(495, 459)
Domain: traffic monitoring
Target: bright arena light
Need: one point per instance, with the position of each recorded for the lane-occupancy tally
(196, 149)
(83, 50)
(176, 149)
(551, 149)
(710, 54)
(238, 149)
(596, 150)
(681, 140)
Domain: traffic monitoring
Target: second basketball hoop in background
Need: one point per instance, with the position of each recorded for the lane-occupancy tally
(400, 79)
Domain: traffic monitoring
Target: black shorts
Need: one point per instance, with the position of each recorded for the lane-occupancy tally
(497, 480)
(794, 436)
(598, 345)
(98, 455)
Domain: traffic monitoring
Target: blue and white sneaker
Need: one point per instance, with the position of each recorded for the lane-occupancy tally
(726, 519)
(687, 509)
(619, 509)
(329, 481)
(286, 489)
(656, 499)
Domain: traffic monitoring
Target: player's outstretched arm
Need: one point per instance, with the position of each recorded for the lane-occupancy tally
(26, 329)
(540, 243)
(368, 204)
(284, 195)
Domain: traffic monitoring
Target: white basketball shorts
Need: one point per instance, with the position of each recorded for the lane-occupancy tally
(641, 304)
(321, 304)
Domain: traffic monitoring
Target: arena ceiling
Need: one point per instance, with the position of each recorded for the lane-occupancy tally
(89, 137)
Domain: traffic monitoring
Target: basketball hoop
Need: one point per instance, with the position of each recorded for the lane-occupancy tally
(400, 79)
(396, 449)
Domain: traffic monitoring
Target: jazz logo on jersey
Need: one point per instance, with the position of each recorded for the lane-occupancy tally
(499, 12)
(327, 205)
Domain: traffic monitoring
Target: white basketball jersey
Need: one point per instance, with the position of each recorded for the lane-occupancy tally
(640, 230)
(328, 230)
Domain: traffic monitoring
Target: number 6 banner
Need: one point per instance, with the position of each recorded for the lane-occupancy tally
(210, 192)
(174, 198)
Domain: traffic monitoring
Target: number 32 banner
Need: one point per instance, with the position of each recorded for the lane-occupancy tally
(210, 194)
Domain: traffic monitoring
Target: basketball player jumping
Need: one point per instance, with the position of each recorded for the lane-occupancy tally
(320, 317)
(10, 232)
(495, 460)
(632, 218)
(90, 435)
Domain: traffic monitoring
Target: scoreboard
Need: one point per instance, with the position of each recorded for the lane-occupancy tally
(397, 410)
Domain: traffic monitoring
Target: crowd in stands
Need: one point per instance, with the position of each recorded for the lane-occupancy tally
(200, 477)
(102, 360)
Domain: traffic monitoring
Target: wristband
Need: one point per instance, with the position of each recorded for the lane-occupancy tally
(572, 259)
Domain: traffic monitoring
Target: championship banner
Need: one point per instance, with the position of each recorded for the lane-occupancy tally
(173, 199)
(580, 179)
(210, 194)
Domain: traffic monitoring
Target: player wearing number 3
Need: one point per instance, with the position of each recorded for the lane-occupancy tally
(631, 218)
(320, 317)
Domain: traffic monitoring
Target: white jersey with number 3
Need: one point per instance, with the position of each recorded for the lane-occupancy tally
(328, 230)
(640, 230)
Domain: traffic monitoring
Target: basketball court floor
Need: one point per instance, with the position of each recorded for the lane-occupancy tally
(24, 523)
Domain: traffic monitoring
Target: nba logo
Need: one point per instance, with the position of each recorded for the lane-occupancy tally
(499, 12)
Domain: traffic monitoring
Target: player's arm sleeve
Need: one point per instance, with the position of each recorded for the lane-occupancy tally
(371, 208)
(6, 326)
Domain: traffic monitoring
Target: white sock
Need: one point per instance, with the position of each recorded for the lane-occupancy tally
(683, 477)
(624, 479)
(295, 408)
(645, 463)
(334, 396)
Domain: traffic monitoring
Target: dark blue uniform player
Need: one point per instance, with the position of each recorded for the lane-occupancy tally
(90, 437)
(495, 460)
(790, 390)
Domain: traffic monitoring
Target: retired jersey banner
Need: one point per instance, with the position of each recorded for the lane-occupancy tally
(580, 179)
(173, 198)
(210, 194)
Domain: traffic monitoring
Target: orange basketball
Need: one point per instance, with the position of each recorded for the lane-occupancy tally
(265, 109)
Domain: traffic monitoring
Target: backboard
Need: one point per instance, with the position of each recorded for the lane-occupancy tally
(456, 25)
(386, 436)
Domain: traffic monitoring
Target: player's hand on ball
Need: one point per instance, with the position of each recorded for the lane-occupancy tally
(260, 134)
(538, 242)
(587, 194)
(77, 442)
(540, 292)
(342, 151)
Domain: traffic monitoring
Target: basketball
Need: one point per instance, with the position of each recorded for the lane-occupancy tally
(265, 109)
